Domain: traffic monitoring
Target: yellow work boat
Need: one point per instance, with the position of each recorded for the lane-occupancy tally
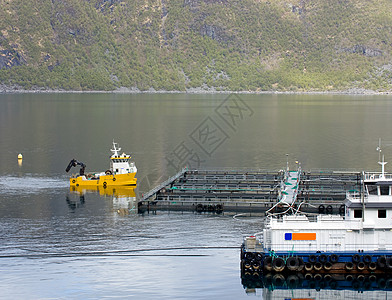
(121, 173)
(115, 191)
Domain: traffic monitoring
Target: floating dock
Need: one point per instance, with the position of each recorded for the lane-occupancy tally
(255, 191)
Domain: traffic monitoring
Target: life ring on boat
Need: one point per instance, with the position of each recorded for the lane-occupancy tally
(334, 258)
(278, 279)
(318, 266)
(333, 284)
(312, 258)
(381, 283)
(108, 172)
(356, 258)
(268, 263)
(255, 265)
(355, 284)
(381, 262)
(372, 266)
(308, 266)
(349, 266)
(292, 281)
(388, 284)
(278, 264)
(247, 274)
(318, 277)
(342, 210)
(349, 277)
(267, 278)
(247, 265)
(327, 277)
(292, 263)
(323, 258)
(327, 266)
(361, 278)
(73, 180)
(114, 178)
(361, 266)
(255, 274)
(367, 258)
(388, 263)
(258, 256)
(249, 255)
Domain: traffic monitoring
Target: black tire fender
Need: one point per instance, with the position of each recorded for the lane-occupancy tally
(278, 264)
(381, 262)
(292, 263)
(334, 258)
(356, 258)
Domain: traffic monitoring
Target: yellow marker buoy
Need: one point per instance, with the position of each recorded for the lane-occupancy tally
(20, 156)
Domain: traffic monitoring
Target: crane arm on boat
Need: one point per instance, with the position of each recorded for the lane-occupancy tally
(74, 163)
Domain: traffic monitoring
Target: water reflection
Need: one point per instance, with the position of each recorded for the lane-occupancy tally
(316, 286)
(74, 203)
(123, 198)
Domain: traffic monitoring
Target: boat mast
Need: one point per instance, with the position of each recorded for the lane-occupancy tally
(115, 150)
(362, 193)
(383, 162)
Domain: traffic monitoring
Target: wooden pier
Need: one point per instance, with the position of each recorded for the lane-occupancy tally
(251, 191)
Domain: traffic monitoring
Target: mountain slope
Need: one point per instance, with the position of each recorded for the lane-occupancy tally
(253, 45)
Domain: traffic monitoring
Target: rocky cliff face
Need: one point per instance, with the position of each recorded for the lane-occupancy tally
(10, 58)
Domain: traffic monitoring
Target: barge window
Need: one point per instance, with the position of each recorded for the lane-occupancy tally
(372, 189)
(358, 213)
(384, 190)
(382, 213)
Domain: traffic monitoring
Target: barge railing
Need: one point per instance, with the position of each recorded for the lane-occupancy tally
(163, 184)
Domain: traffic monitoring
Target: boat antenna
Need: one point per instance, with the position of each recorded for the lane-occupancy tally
(115, 150)
(382, 163)
(287, 162)
(378, 149)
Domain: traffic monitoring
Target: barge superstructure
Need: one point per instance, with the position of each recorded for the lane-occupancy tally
(359, 241)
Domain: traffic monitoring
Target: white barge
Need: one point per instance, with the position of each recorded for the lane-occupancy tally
(358, 242)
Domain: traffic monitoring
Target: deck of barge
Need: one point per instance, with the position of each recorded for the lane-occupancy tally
(249, 191)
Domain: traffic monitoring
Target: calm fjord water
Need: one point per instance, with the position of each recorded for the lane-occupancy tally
(55, 244)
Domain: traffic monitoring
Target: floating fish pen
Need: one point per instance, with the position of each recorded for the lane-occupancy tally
(257, 191)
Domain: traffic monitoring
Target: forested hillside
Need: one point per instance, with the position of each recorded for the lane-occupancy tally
(236, 45)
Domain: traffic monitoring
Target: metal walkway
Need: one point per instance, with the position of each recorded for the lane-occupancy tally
(163, 184)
